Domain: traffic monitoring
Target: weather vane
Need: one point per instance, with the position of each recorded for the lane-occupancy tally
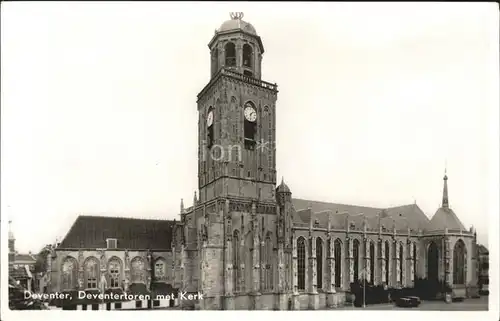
(236, 15)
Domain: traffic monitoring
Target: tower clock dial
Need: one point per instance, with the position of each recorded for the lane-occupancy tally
(210, 118)
(250, 113)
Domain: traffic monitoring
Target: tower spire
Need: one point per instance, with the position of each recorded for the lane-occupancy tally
(445, 191)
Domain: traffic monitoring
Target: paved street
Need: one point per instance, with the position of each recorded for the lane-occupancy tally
(480, 304)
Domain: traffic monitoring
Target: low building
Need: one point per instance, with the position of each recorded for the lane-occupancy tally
(21, 266)
(483, 275)
(114, 254)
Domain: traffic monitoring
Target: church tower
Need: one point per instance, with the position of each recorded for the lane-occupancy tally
(237, 173)
(237, 118)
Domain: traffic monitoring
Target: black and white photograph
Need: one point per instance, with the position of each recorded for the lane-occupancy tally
(283, 156)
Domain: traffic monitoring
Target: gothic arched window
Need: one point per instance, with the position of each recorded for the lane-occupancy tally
(215, 61)
(338, 262)
(355, 254)
(69, 274)
(319, 262)
(379, 259)
(247, 55)
(301, 263)
(269, 262)
(247, 257)
(160, 269)
(137, 270)
(250, 124)
(236, 260)
(459, 263)
(414, 255)
(372, 262)
(433, 262)
(387, 261)
(210, 127)
(230, 51)
(114, 272)
(91, 272)
(401, 266)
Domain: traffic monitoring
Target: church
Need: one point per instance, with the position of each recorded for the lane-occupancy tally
(245, 243)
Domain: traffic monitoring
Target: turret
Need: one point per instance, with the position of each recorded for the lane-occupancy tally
(445, 191)
(236, 46)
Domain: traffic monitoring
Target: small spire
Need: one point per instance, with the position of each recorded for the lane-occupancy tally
(11, 235)
(282, 180)
(182, 205)
(195, 199)
(445, 203)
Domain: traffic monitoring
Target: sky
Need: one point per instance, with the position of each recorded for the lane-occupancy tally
(99, 111)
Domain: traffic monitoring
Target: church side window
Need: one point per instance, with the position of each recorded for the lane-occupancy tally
(301, 263)
(160, 269)
(459, 262)
(414, 255)
(319, 263)
(338, 262)
(355, 254)
(387, 261)
(91, 268)
(137, 272)
(379, 259)
(372, 262)
(114, 270)
(69, 274)
(401, 260)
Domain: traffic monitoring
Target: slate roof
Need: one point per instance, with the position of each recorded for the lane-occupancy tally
(20, 257)
(18, 273)
(446, 218)
(131, 233)
(401, 217)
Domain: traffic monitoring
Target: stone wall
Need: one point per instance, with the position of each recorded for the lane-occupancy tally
(102, 256)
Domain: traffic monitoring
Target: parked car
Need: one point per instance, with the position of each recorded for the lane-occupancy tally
(407, 301)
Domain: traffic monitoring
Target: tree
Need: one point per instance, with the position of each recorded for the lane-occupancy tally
(41, 259)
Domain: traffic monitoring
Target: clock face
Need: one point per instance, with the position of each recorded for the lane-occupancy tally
(210, 118)
(250, 113)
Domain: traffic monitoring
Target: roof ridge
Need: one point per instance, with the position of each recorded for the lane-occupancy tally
(399, 206)
(343, 204)
(323, 211)
(125, 218)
